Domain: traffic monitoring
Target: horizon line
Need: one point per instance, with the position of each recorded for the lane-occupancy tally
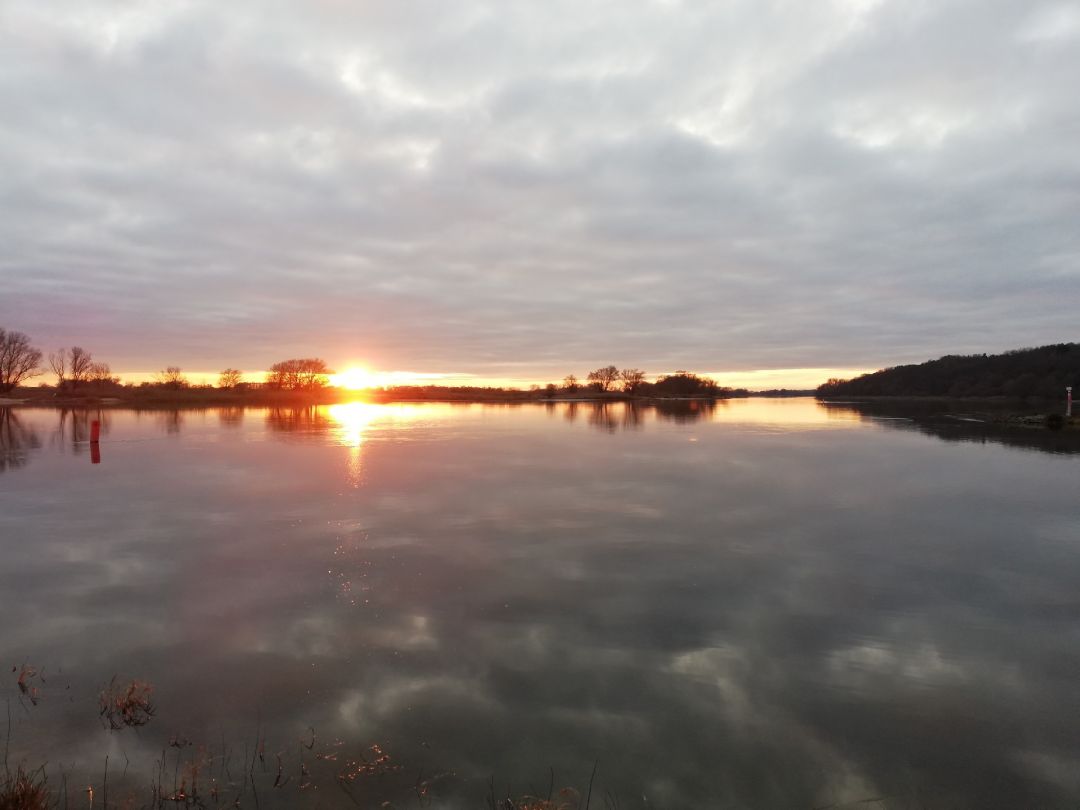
(798, 378)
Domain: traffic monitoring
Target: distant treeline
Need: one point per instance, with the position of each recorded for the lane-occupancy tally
(1042, 372)
(633, 382)
(77, 374)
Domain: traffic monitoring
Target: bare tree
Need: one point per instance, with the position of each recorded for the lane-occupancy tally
(570, 382)
(79, 363)
(74, 365)
(632, 379)
(58, 366)
(314, 373)
(101, 374)
(229, 378)
(283, 375)
(604, 378)
(304, 373)
(18, 359)
(171, 377)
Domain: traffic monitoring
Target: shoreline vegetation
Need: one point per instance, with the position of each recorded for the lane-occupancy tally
(199, 396)
(1023, 388)
(82, 380)
(1041, 373)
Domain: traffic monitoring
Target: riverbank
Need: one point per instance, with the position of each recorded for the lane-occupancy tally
(1028, 413)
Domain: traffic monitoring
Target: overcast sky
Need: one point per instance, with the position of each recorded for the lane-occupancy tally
(513, 189)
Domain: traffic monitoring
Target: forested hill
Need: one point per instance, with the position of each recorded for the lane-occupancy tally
(1042, 372)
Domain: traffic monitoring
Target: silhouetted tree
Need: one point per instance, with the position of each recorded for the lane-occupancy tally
(18, 359)
(570, 382)
(632, 379)
(101, 375)
(171, 377)
(314, 373)
(830, 384)
(604, 378)
(79, 363)
(100, 372)
(688, 384)
(304, 373)
(74, 366)
(1040, 372)
(229, 378)
(58, 366)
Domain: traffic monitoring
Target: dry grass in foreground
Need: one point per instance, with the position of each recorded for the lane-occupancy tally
(24, 790)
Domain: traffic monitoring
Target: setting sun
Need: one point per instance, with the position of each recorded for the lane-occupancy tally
(355, 379)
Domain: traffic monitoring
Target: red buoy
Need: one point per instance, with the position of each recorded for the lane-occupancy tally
(95, 432)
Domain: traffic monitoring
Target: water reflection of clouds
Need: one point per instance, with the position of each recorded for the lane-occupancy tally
(776, 633)
(777, 670)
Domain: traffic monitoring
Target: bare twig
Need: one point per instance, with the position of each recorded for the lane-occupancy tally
(7, 741)
(63, 784)
(588, 796)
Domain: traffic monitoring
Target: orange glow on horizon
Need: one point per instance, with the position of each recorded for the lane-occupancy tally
(356, 378)
(361, 378)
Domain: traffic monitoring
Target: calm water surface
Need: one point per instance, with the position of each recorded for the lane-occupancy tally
(766, 604)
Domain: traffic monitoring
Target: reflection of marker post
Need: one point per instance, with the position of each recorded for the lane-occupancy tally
(1068, 400)
(95, 439)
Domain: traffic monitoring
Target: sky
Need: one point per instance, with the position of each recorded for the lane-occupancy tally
(774, 192)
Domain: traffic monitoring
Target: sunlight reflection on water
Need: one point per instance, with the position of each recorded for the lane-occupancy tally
(759, 602)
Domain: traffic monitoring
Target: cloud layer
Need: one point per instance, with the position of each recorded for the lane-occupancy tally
(514, 189)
